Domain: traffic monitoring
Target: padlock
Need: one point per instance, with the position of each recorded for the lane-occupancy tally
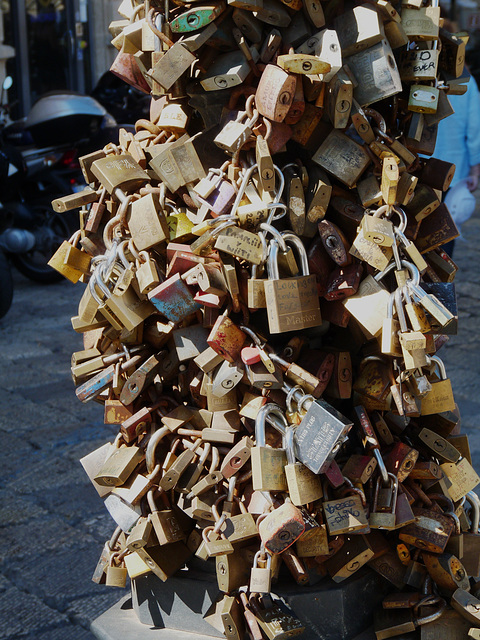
(377, 67)
(119, 465)
(452, 53)
(261, 572)
(369, 306)
(292, 303)
(421, 23)
(383, 512)
(147, 223)
(358, 29)
(419, 65)
(274, 619)
(352, 556)
(416, 314)
(140, 535)
(345, 514)
(462, 478)
(232, 571)
(440, 398)
(471, 539)
(359, 468)
(226, 338)
(391, 327)
(303, 485)
(236, 133)
(275, 92)
(164, 560)
(71, 262)
(170, 66)
(429, 532)
(165, 524)
(447, 571)
(316, 447)
(339, 100)
(342, 157)
(268, 464)
(388, 624)
(119, 172)
(377, 229)
(115, 544)
(281, 528)
(241, 527)
(147, 273)
(173, 299)
(217, 547)
(116, 573)
(423, 98)
(314, 541)
(373, 253)
(412, 343)
(467, 605)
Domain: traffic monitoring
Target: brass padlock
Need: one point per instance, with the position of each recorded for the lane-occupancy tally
(292, 303)
(342, 157)
(119, 172)
(303, 485)
(275, 93)
(268, 473)
(281, 528)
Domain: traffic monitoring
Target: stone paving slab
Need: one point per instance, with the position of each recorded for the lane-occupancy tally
(52, 522)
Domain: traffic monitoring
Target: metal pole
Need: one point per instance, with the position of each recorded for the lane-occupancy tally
(22, 67)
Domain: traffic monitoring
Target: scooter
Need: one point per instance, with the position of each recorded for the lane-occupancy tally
(42, 151)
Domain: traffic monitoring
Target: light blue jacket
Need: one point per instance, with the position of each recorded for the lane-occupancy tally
(458, 138)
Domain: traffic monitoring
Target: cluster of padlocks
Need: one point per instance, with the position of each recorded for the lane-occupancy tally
(265, 296)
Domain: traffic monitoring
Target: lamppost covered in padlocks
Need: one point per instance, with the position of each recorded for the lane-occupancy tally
(265, 296)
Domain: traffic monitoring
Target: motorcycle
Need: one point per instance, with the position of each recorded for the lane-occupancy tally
(42, 151)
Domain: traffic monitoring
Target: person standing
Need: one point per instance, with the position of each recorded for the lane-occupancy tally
(458, 141)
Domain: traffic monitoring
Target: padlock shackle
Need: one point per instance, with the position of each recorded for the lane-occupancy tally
(414, 272)
(406, 295)
(390, 304)
(114, 539)
(294, 241)
(400, 229)
(152, 445)
(440, 365)
(75, 237)
(296, 394)
(428, 601)
(385, 208)
(272, 261)
(252, 334)
(121, 254)
(243, 185)
(268, 228)
(274, 415)
(205, 453)
(118, 218)
(268, 558)
(215, 460)
(292, 394)
(474, 501)
(400, 311)
(288, 441)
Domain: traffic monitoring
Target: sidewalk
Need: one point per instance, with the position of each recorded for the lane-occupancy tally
(52, 523)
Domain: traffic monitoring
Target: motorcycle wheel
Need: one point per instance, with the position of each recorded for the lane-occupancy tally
(6, 285)
(50, 231)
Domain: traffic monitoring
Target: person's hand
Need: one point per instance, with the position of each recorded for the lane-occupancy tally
(473, 178)
(472, 183)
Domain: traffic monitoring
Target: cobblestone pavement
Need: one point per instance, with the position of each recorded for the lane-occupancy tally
(52, 523)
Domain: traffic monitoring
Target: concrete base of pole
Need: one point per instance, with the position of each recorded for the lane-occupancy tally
(176, 609)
